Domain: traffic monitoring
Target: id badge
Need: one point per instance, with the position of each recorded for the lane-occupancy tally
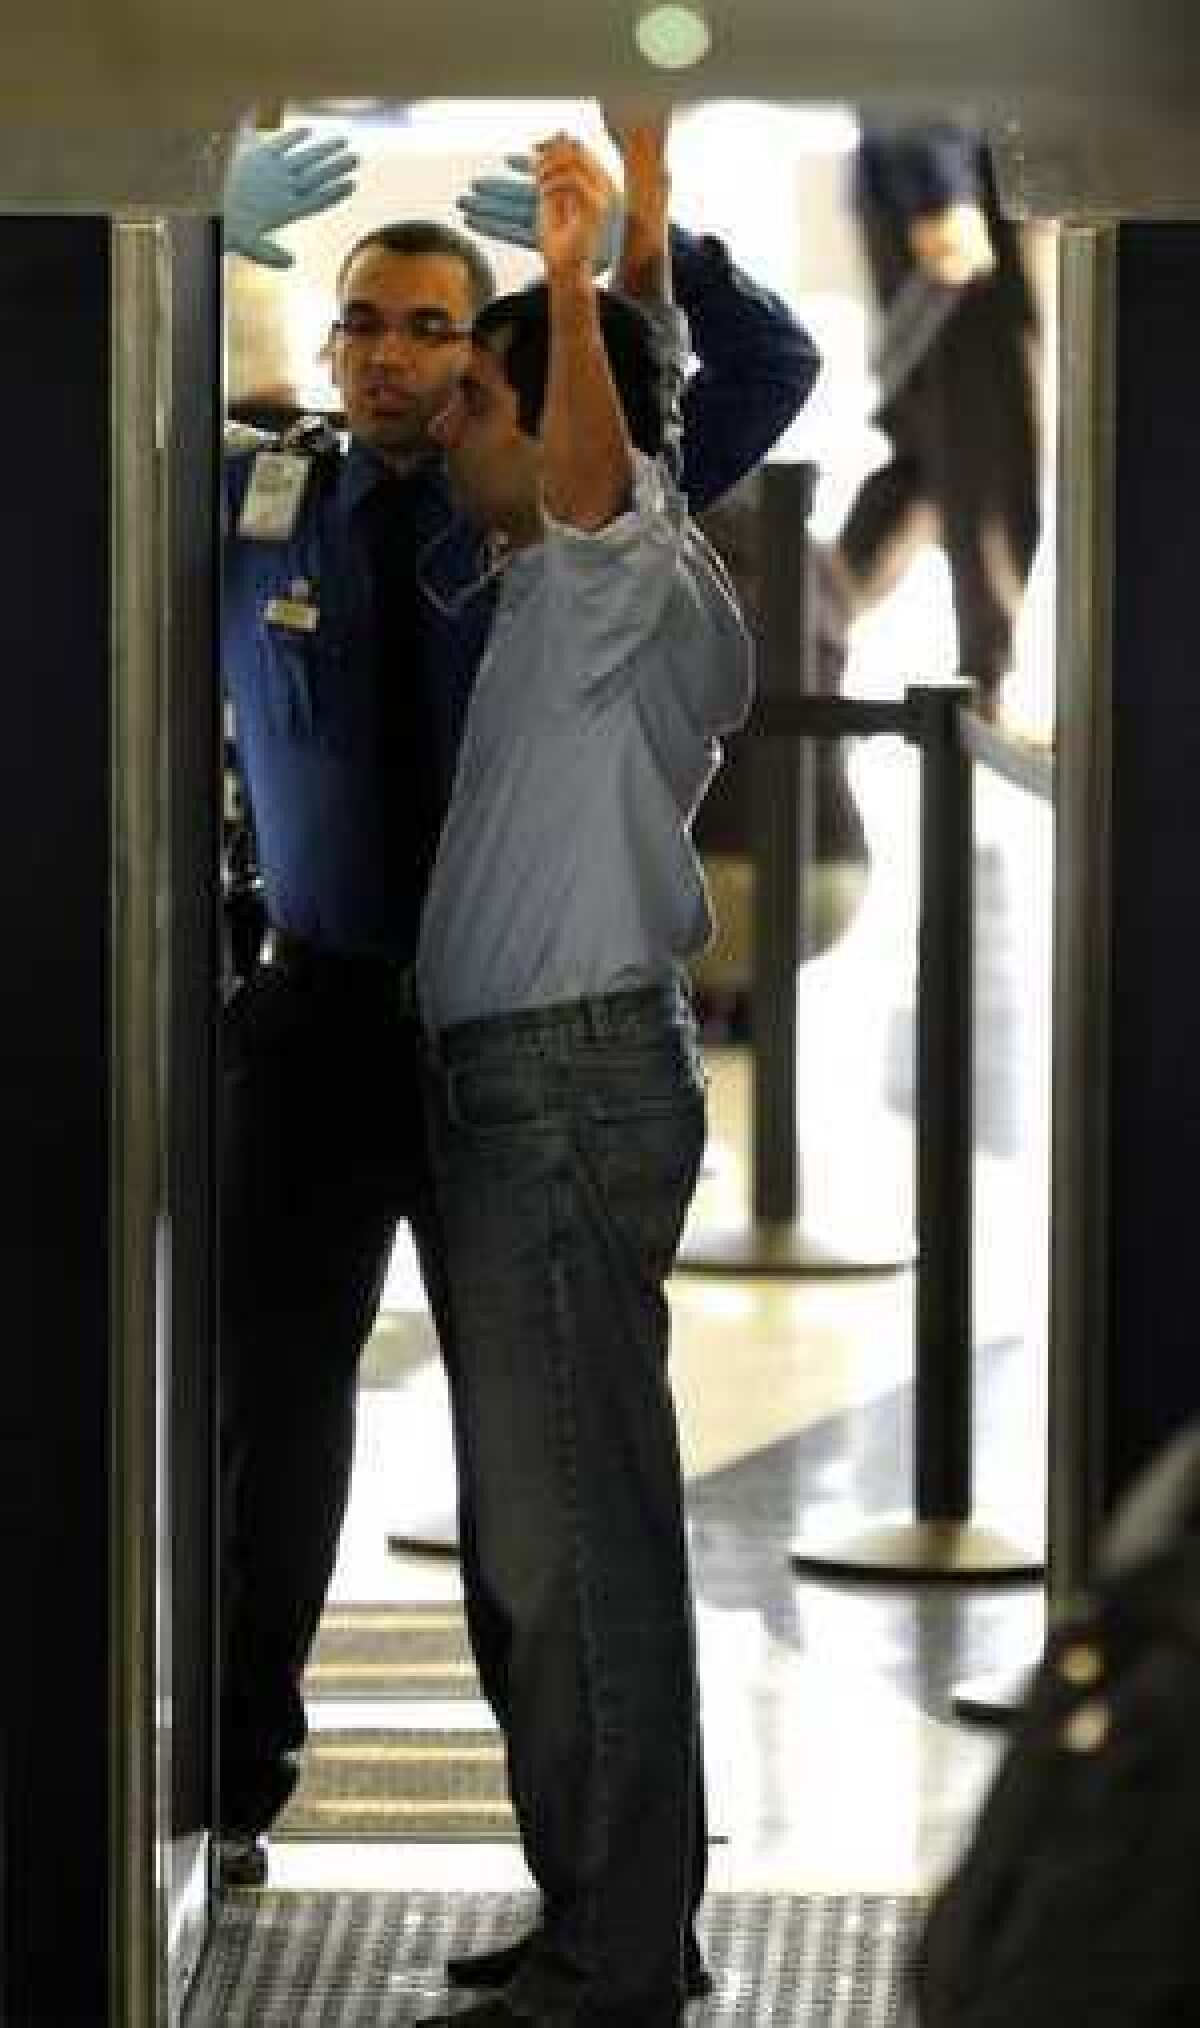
(273, 496)
(296, 613)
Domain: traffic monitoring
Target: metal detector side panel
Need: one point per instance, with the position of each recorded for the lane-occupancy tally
(1098, 173)
(132, 172)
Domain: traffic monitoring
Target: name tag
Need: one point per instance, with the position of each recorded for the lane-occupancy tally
(296, 615)
(273, 496)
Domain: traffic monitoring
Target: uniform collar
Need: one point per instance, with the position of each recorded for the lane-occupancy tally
(364, 471)
(450, 550)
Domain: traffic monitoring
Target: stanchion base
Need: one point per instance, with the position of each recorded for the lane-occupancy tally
(896, 1546)
(994, 1699)
(432, 1534)
(787, 1248)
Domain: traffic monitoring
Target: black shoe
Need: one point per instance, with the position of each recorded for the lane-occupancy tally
(697, 1979)
(241, 1859)
(497, 2014)
(487, 1971)
(489, 2014)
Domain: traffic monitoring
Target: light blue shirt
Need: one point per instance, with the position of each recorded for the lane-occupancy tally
(566, 866)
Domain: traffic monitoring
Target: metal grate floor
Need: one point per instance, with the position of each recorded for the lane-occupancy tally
(374, 1960)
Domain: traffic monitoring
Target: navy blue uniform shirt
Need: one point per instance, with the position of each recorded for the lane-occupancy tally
(338, 793)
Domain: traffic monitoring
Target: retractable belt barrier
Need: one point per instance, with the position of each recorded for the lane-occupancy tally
(939, 1538)
(777, 1239)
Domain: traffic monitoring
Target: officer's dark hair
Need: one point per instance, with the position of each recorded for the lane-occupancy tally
(517, 329)
(429, 236)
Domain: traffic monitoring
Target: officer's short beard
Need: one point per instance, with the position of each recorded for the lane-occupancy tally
(403, 445)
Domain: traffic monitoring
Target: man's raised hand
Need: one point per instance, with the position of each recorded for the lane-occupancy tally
(505, 208)
(574, 193)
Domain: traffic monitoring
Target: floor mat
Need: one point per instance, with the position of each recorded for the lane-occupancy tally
(374, 1961)
(400, 1786)
(388, 1650)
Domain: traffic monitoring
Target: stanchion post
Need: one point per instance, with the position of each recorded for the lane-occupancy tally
(774, 1240)
(942, 1403)
(938, 1539)
(781, 838)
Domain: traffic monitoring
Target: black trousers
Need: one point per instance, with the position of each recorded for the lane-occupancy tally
(324, 1150)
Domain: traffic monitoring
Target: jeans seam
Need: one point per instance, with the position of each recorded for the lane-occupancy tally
(578, 1212)
(593, 1185)
(566, 1374)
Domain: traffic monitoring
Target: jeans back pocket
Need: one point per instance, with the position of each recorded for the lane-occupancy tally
(483, 1098)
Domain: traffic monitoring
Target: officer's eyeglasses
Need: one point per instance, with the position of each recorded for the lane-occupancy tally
(424, 327)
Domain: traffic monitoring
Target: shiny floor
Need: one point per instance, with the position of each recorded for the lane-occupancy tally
(836, 1761)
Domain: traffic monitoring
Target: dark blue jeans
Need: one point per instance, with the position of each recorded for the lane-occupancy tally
(566, 1144)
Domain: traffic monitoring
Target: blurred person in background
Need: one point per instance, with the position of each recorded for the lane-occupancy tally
(958, 368)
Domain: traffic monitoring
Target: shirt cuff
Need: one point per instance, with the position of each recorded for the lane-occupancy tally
(657, 506)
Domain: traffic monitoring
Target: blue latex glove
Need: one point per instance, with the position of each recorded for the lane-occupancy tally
(505, 208)
(273, 183)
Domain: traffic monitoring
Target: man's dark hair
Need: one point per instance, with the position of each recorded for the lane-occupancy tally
(428, 236)
(517, 329)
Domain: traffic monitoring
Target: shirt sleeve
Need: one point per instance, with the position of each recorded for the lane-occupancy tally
(608, 591)
(755, 367)
(607, 587)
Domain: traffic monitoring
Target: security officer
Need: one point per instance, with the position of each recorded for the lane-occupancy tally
(356, 608)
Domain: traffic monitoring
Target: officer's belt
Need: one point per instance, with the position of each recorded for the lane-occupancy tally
(282, 950)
